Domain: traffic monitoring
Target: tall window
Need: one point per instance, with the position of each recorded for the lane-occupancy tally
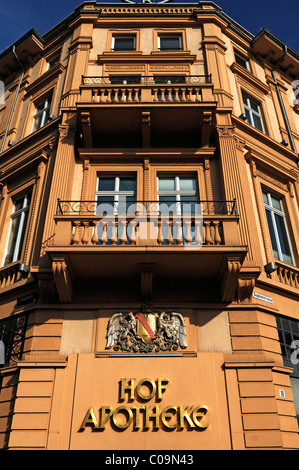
(16, 235)
(124, 42)
(41, 116)
(116, 191)
(278, 229)
(179, 190)
(170, 42)
(253, 112)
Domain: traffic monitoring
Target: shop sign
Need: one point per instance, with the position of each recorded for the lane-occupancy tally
(144, 417)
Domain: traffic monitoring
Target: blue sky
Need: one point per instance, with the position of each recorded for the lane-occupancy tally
(281, 18)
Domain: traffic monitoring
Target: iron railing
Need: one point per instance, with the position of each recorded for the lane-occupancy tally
(12, 337)
(147, 80)
(147, 207)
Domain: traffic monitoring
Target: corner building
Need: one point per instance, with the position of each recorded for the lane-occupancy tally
(144, 328)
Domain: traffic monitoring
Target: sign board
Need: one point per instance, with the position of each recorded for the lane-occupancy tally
(262, 297)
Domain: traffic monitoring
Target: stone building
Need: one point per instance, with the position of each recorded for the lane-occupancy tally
(149, 233)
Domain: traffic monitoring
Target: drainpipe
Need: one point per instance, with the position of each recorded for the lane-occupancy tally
(15, 100)
(280, 99)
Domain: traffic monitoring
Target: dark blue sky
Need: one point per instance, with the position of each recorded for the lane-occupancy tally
(280, 17)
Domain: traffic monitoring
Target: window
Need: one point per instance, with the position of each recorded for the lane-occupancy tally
(242, 61)
(124, 79)
(167, 79)
(117, 191)
(16, 235)
(288, 331)
(253, 112)
(42, 112)
(177, 190)
(124, 43)
(278, 228)
(52, 61)
(170, 42)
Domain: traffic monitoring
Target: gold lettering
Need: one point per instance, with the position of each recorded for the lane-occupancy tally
(161, 387)
(103, 417)
(152, 415)
(137, 415)
(127, 389)
(166, 414)
(90, 418)
(184, 416)
(152, 385)
(199, 412)
(117, 422)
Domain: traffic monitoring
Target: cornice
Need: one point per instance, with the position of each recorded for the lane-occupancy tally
(45, 79)
(249, 78)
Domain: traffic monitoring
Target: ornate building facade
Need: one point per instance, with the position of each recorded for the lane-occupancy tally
(149, 233)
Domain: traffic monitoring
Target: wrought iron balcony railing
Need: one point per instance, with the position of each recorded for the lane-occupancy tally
(12, 338)
(150, 223)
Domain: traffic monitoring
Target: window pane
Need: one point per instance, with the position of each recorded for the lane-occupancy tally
(283, 239)
(12, 239)
(257, 122)
(265, 198)
(166, 184)
(188, 206)
(272, 235)
(168, 200)
(170, 43)
(23, 228)
(254, 106)
(188, 184)
(276, 203)
(241, 61)
(127, 184)
(124, 43)
(106, 184)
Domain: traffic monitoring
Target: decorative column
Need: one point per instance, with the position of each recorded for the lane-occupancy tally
(62, 180)
(235, 186)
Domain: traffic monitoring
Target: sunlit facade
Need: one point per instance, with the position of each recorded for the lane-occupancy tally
(149, 233)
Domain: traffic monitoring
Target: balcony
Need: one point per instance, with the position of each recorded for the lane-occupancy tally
(147, 111)
(93, 247)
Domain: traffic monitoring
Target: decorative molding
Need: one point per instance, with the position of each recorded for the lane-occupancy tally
(248, 80)
(62, 277)
(66, 131)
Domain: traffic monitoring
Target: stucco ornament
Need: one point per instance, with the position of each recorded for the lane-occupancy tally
(146, 332)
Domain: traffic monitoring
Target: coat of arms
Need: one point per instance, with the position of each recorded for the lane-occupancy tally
(146, 332)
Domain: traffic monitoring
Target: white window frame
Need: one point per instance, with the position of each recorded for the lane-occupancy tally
(281, 214)
(19, 213)
(252, 112)
(43, 113)
(118, 36)
(242, 57)
(116, 194)
(177, 192)
(170, 35)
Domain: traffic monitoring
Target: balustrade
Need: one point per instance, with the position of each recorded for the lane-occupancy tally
(288, 275)
(129, 231)
(172, 89)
